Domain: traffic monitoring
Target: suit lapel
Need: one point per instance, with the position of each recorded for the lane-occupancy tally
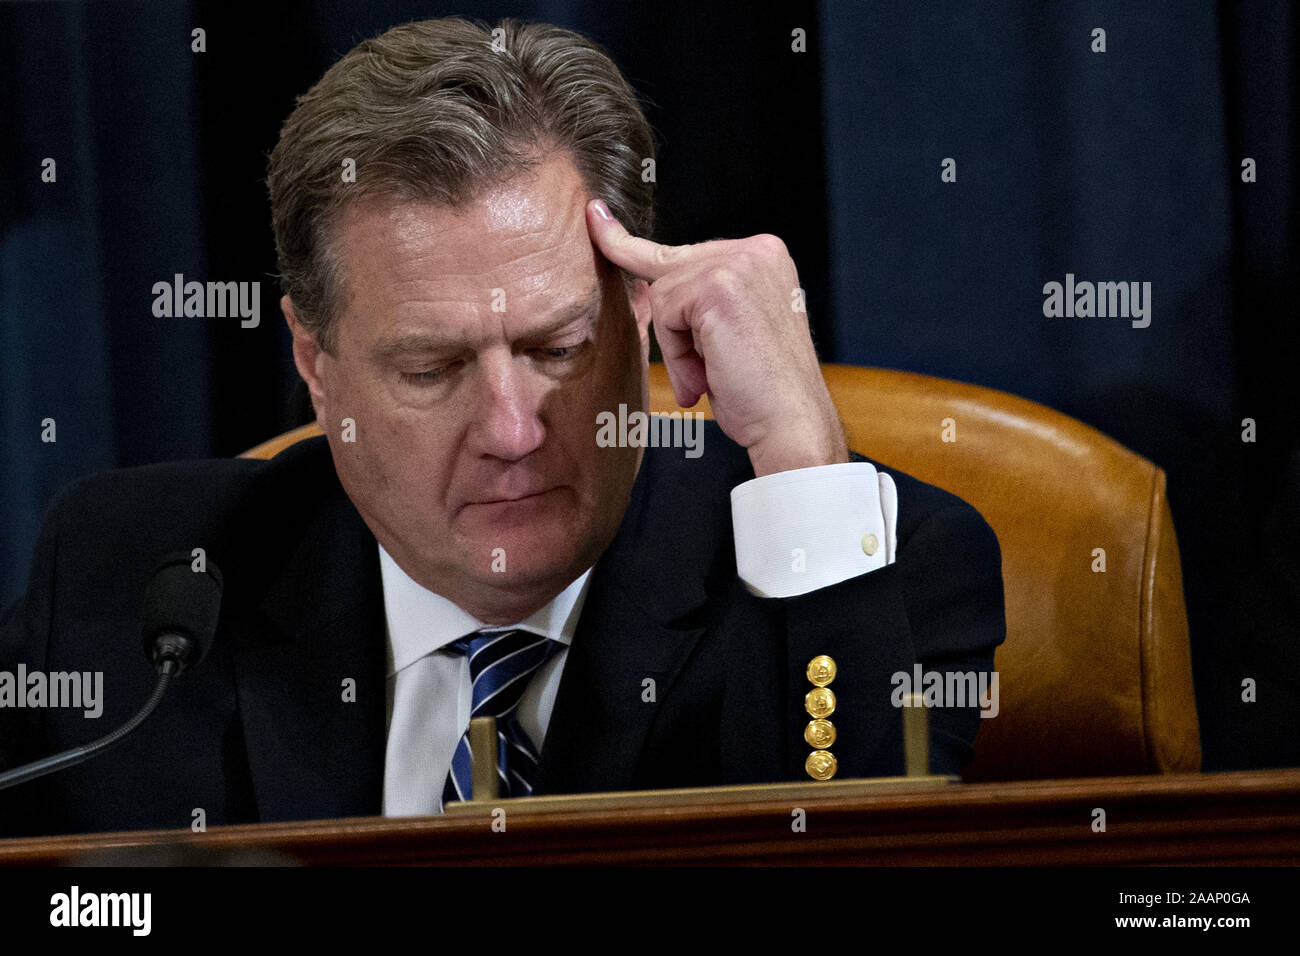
(640, 623)
(602, 713)
(310, 676)
(316, 751)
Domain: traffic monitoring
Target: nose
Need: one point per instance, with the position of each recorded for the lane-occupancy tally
(507, 417)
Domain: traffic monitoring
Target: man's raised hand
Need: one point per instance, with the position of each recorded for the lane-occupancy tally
(729, 320)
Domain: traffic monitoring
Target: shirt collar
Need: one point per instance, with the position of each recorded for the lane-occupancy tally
(420, 621)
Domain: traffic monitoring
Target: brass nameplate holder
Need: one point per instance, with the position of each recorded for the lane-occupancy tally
(916, 750)
(483, 758)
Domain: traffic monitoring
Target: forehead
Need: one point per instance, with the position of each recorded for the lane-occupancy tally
(525, 239)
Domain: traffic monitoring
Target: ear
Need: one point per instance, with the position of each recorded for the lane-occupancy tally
(639, 298)
(308, 356)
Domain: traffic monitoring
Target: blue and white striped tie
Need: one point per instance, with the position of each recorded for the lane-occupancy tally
(501, 662)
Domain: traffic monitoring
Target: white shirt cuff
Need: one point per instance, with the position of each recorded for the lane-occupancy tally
(798, 531)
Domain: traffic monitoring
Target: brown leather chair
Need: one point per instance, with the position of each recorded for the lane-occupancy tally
(273, 446)
(1095, 676)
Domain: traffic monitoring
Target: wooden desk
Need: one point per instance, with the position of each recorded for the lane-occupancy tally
(1230, 818)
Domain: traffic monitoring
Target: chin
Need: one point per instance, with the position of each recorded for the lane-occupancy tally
(534, 547)
(538, 558)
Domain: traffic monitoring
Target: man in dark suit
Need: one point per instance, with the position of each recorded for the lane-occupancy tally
(467, 307)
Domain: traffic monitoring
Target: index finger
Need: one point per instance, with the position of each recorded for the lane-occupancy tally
(644, 258)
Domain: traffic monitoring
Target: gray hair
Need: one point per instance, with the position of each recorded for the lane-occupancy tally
(436, 111)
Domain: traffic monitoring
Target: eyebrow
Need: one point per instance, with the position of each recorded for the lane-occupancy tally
(423, 342)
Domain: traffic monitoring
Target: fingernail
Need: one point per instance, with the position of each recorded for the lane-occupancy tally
(602, 209)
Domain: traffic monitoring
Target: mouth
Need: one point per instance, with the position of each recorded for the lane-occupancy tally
(511, 499)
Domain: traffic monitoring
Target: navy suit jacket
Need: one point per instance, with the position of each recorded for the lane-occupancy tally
(263, 730)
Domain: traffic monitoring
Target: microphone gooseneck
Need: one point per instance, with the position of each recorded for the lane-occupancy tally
(179, 624)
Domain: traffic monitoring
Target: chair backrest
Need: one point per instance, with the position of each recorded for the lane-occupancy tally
(273, 446)
(1095, 676)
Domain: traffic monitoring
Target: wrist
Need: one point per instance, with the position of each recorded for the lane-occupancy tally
(797, 446)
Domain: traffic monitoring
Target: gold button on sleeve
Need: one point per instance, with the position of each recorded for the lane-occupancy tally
(819, 734)
(821, 765)
(821, 670)
(820, 702)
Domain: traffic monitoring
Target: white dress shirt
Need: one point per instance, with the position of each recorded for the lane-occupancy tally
(795, 531)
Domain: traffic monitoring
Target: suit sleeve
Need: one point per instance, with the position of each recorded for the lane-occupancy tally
(952, 589)
(940, 605)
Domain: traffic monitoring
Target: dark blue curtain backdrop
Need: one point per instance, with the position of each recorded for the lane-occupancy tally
(1123, 165)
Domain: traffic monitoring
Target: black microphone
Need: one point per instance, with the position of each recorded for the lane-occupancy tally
(179, 623)
(179, 614)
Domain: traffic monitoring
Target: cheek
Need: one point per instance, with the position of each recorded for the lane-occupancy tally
(343, 396)
(613, 381)
(415, 452)
(380, 451)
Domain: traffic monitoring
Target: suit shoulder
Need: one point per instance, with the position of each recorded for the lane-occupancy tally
(185, 492)
(117, 525)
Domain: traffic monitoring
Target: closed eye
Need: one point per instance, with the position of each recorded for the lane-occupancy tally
(421, 378)
(562, 352)
(556, 354)
(428, 376)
